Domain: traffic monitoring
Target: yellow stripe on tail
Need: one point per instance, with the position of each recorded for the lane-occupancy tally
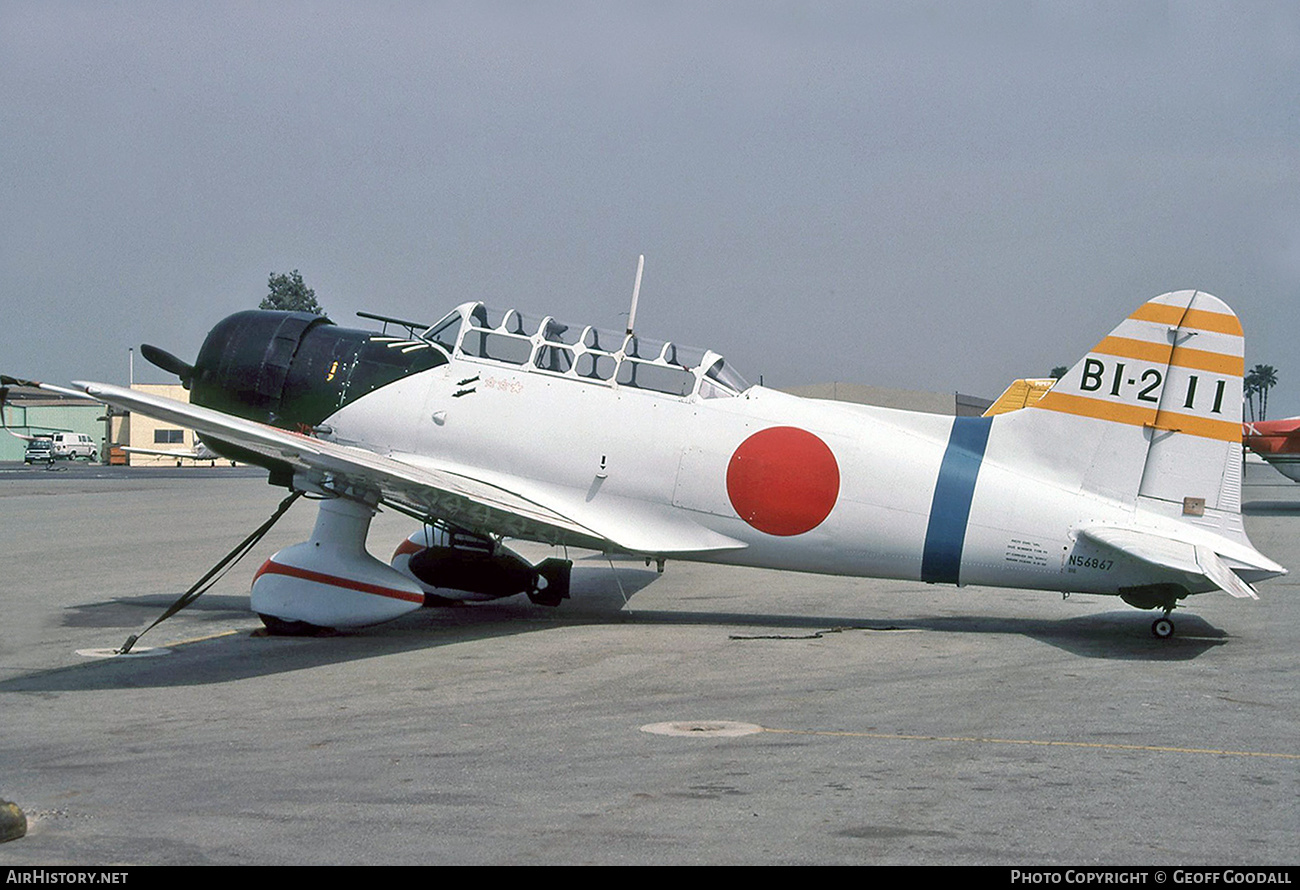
(1173, 370)
(1175, 364)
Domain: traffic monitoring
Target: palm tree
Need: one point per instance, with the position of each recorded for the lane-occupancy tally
(1264, 378)
(1250, 388)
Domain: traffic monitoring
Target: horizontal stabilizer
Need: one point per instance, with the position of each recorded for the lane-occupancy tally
(1173, 554)
(1020, 394)
(1224, 578)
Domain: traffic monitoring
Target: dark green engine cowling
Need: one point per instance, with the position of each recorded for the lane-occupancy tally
(294, 369)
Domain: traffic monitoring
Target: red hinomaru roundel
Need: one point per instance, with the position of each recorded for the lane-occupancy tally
(783, 481)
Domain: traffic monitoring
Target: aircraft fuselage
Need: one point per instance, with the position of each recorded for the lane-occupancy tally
(805, 485)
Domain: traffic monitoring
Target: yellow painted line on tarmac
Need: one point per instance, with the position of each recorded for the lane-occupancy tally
(216, 636)
(1103, 746)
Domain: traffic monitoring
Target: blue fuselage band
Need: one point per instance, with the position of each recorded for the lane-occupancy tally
(946, 533)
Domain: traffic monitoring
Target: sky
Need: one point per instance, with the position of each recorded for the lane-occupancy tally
(925, 195)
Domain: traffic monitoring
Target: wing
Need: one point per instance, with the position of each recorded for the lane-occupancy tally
(158, 452)
(200, 452)
(488, 503)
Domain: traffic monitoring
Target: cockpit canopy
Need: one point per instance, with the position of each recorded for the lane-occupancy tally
(548, 346)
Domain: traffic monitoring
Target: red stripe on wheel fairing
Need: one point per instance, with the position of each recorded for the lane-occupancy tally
(275, 568)
(407, 546)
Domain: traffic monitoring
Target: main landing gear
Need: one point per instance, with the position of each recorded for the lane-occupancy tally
(1162, 628)
(330, 581)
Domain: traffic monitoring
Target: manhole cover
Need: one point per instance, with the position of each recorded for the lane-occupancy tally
(137, 652)
(703, 728)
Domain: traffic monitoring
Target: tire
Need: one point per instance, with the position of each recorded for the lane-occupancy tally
(1162, 628)
(278, 627)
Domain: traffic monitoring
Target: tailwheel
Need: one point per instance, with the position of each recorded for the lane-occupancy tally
(1162, 628)
(546, 597)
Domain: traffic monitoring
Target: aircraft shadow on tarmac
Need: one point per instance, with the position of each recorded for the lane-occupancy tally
(1271, 508)
(134, 612)
(1113, 635)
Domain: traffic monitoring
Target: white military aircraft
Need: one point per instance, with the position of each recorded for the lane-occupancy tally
(1124, 479)
(200, 452)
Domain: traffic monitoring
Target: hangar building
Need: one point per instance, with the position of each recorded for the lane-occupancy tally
(29, 411)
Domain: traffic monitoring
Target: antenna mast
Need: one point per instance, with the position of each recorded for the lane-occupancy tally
(636, 292)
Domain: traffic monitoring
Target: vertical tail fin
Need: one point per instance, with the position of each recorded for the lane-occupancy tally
(1163, 394)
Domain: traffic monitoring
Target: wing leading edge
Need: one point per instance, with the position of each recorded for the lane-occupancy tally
(479, 501)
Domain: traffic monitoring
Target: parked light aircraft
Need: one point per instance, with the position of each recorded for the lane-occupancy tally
(1277, 441)
(200, 452)
(1123, 479)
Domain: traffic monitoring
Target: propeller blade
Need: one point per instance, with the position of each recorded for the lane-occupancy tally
(168, 362)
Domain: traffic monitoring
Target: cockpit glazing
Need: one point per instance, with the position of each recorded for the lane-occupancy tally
(548, 346)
